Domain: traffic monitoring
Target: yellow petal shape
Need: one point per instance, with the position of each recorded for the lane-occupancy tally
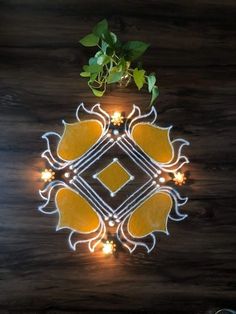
(154, 141)
(78, 138)
(75, 212)
(151, 215)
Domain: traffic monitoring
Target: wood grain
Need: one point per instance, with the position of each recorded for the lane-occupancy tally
(193, 53)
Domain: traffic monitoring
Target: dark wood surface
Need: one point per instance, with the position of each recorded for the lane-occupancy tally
(193, 52)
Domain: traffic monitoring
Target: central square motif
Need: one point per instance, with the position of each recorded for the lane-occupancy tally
(112, 183)
(114, 177)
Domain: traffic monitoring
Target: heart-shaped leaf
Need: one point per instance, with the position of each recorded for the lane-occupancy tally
(109, 38)
(97, 92)
(134, 49)
(151, 82)
(98, 54)
(104, 46)
(155, 94)
(139, 77)
(92, 60)
(114, 37)
(93, 77)
(89, 40)
(103, 59)
(93, 68)
(101, 28)
(114, 77)
(85, 74)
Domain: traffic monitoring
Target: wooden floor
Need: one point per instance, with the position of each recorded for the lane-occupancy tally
(193, 53)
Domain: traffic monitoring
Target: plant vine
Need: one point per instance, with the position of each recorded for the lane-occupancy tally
(116, 62)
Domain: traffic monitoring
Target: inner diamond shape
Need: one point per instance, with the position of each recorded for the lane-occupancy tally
(114, 177)
(96, 192)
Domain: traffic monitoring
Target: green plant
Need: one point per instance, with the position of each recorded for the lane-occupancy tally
(114, 62)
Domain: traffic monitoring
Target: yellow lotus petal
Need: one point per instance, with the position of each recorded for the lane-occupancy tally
(154, 141)
(151, 215)
(78, 138)
(75, 212)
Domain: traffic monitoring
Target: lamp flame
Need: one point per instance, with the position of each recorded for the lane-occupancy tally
(47, 175)
(109, 247)
(179, 178)
(117, 118)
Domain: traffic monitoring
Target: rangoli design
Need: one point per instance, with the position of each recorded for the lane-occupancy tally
(113, 177)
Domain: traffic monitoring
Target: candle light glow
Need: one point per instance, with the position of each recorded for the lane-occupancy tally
(109, 247)
(117, 118)
(47, 175)
(179, 178)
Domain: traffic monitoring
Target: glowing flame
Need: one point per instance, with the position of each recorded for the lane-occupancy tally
(117, 118)
(108, 247)
(179, 178)
(47, 175)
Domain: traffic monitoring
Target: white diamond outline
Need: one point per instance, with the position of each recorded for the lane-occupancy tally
(112, 210)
